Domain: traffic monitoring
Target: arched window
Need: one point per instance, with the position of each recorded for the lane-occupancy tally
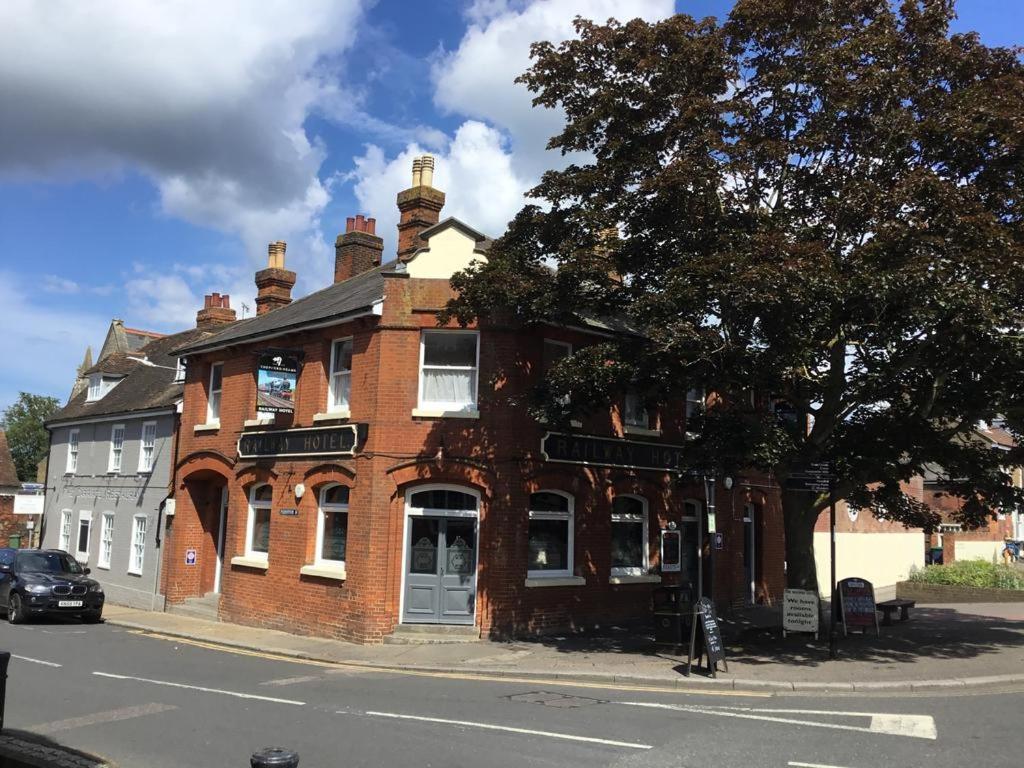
(257, 532)
(442, 498)
(629, 536)
(550, 535)
(332, 526)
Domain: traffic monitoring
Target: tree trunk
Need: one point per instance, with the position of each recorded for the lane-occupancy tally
(799, 515)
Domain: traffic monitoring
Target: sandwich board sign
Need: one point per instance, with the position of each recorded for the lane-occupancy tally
(857, 605)
(705, 621)
(800, 611)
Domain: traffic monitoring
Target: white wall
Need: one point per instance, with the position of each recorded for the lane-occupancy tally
(881, 558)
(979, 550)
(449, 251)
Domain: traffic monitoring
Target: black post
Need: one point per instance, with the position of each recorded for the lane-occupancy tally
(274, 757)
(832, 650)
(5, 659)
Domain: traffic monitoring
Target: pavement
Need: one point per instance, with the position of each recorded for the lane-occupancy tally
(941, 647)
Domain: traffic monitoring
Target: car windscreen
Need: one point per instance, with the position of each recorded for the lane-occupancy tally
(46, 562)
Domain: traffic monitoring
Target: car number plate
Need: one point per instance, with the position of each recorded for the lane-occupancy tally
(69, 603)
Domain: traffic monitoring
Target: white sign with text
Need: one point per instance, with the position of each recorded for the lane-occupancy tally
(800, 611)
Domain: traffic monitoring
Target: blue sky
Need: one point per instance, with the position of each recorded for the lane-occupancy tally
(150, 151)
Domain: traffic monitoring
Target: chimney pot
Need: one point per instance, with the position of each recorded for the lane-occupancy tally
(371, 226)
(216, 311)
(417, 170)
(427, 171)
(225, 301)
(358, 249)
(350, 224)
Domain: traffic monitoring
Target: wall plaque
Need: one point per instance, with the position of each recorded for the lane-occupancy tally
(610, 452)
(342, 440)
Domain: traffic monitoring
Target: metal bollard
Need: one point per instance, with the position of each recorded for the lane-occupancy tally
(5, 659)
(274, 757)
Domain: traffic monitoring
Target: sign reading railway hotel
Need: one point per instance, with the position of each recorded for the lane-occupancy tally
(343, 440)
(610, 452)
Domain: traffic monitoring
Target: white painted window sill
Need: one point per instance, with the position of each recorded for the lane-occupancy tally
(250, 562)
(440, 413)
(206, 427)
(130, 572)
(648, 579)
(260, 422)
(332, 415)
(324, 571)
(641, 431)
(556, 581)
(103, 567)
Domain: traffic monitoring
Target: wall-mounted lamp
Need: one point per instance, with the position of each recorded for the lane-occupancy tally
(727, 482)
(300, 490)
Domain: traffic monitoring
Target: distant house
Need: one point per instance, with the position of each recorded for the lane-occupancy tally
(111, 457)
(985, 543)
(12, 528)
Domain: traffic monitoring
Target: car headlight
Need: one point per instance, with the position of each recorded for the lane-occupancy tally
(96, 588)
(37, 589)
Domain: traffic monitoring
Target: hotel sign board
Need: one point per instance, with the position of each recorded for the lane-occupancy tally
(610, 452)
(343, 440)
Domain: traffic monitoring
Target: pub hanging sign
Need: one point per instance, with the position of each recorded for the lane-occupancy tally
(610, 452)
(343, 440)
(276, 374)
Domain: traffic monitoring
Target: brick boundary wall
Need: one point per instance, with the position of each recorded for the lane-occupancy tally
(950, 593)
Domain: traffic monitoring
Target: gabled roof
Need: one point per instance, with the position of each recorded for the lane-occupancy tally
(144, 386)
(482, 240)
(354, 296)
(8, 472)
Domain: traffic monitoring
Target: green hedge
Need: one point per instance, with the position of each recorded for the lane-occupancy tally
(971, 573)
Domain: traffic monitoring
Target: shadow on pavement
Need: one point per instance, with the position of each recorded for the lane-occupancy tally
(23, 749)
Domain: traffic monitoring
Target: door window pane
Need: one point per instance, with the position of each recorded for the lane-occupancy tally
(460, 547)
(423, 551)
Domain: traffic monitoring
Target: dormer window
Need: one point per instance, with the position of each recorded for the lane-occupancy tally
(100, 385)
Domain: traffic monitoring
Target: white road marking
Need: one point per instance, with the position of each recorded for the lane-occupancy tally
(509, 729)
(169, 684)
(814, 765)
(291, 680)
(110, 716)
(36, 661)
(912, 726)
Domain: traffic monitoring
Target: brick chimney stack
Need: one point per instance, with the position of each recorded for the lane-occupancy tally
(358, 250)
(274, 284)
(216, 311)
(419, 206)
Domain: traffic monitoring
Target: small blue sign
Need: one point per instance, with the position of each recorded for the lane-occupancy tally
(719, 541)
(190, 557)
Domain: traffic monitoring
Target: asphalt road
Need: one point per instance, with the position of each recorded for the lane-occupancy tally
(141, 700)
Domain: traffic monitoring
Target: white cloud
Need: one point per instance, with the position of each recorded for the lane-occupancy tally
(207, 99)
(58, 284)
(498, 153)
(43, 344)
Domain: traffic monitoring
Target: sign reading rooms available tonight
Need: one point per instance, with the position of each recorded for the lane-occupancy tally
(610, 452)
(318, 441)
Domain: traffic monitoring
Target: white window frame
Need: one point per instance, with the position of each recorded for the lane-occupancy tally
(631, 517)
(179, 371)
(106, 540)
(137, 555)
(115, 463)
(250, 523)
(424, 404)
(213, 414)
(569, 516)
(84, 516)
(72, 462)
(696, 399)
(143, 468)
(95, 391)
(645, 423)
(64, 541)
(335, 374)
(321, 519)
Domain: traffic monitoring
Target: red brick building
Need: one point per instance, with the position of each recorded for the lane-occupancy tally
(345, 466)
(12, 527)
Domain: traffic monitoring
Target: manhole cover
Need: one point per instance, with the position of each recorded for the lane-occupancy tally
(559, 700)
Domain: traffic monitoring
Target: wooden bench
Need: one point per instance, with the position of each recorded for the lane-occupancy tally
(889, 607)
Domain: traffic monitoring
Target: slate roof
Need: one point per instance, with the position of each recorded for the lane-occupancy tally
(8, 473)
(144, 387)
(338, 300)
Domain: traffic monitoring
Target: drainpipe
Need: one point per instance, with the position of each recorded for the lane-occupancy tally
(160, 512)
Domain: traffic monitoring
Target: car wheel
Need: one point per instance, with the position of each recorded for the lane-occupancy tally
(92, 617)
(15, 613)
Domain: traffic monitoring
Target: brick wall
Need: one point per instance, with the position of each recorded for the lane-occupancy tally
(497, 455)
(11, 524)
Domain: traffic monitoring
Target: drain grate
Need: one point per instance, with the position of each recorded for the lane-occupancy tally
(559, 700)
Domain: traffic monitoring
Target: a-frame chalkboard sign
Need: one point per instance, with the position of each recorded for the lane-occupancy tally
(705, 620)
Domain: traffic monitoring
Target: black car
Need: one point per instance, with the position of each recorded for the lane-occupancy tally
(38, 582)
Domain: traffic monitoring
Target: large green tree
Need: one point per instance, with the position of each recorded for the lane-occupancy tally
(26, 435)
(816, 204)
